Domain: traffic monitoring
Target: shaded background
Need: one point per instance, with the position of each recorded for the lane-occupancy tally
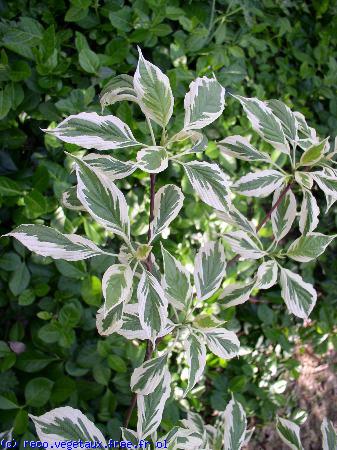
(55, 57)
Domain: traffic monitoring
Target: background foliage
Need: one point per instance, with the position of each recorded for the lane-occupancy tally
(55, 58)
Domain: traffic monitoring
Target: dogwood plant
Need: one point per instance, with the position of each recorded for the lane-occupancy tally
(145, 299)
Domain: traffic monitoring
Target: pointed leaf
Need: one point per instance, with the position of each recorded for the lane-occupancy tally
(66, 424)
(264, 122)
(111, 167)
(146, 378)
(116, 286)
(209, 269)
(241, 243)
(287, 119)
(210, 183)
(309, 247)
(304, 179)
(89, 130)
(223, 343)
(236, 294)
(118, 89)
(289, 432)
(168, 202)
(299, 296)
(240, 148)
(111, 322)
(195, 349)
(314, 153)
(284, 215)
(46, 241)
(259, 184)
(153, 91)
(204, 103)
(235, 218)
(329, 435)
(70, 200)
(309, 213)
(176, 282)
(152, 159)
(327, 183)
(266, 275)
(235, 424)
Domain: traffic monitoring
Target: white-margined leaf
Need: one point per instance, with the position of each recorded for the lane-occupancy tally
(209, 269)
(314, 153)
(326, 182)
(304, 179)
(330, 199)
(46, 241)
(179, 438)
(111, 167)
(286, 117)
(204, 103)
(309, 247)
(236, 294)
(259, 184)
(307, 135)
(151, 407)
(289, 432)
(248, 436)
(243, 244)
(329, 435)
(239, 147)
(152, 159)
(284, 215)
(299, 296)
(195, 424)
(152, 306)
(111, 322)
(146, 377)
(6, 435)
(89, 130)
(69, 199)
(116, 286)
(196, 141)
(235, 425)
(176, 282)
(223, 343)
(117, 89)
(309, 213)
(130, 436)
(102, 199)
(266, 275)
(195, 351)
(210, 183)
(168, 201)
(66, 424)
(237, 219)
(153, 91)
(265, 123)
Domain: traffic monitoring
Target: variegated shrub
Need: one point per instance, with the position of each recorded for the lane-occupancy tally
(151, 300)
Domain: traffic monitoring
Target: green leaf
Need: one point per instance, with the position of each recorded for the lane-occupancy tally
(314, 153)
(240, 148)
(19, 279)
(289, 432)
(235, 425)
(146, 378)
(210, 183)
(259, 184)
(309, 247)
(88, 60)
(204, 103)
(209, 269)
(299, 296)
(7, 404)
(38, 391)
(5, 101)
(152, 159)
(10, 188)
(153, 91)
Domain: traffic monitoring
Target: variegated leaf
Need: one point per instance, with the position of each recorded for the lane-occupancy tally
(267, 274)
(151, 406)
(209, 269)
(309, 247)
(329, 435)
(66, 424)
(289, 432)
(304, 179)
(168, 202)
(210, 183)
(259, 184)
(111, 322)
(146, 378)
(241, 243)
(307, 135)
(112, 168)
(116, 286)
(235, 425)
(117, 89)
(152, 159)
(284, 215)
(153, 91)
(152, 306)
(130, 436)
(89, 130)
(195, 351)
(265, 123)
(204, 103)
(286, 117)
(46, 241)
(179, 438)
(176, 282)
(326, 182)
(236, 294)
(314, 153)
(223, 343)
(309, 213)
(193, 139)
(102, 199)
(70, 200)
(6, 435)
(239, 147)
(299, 296)
(237, 219)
